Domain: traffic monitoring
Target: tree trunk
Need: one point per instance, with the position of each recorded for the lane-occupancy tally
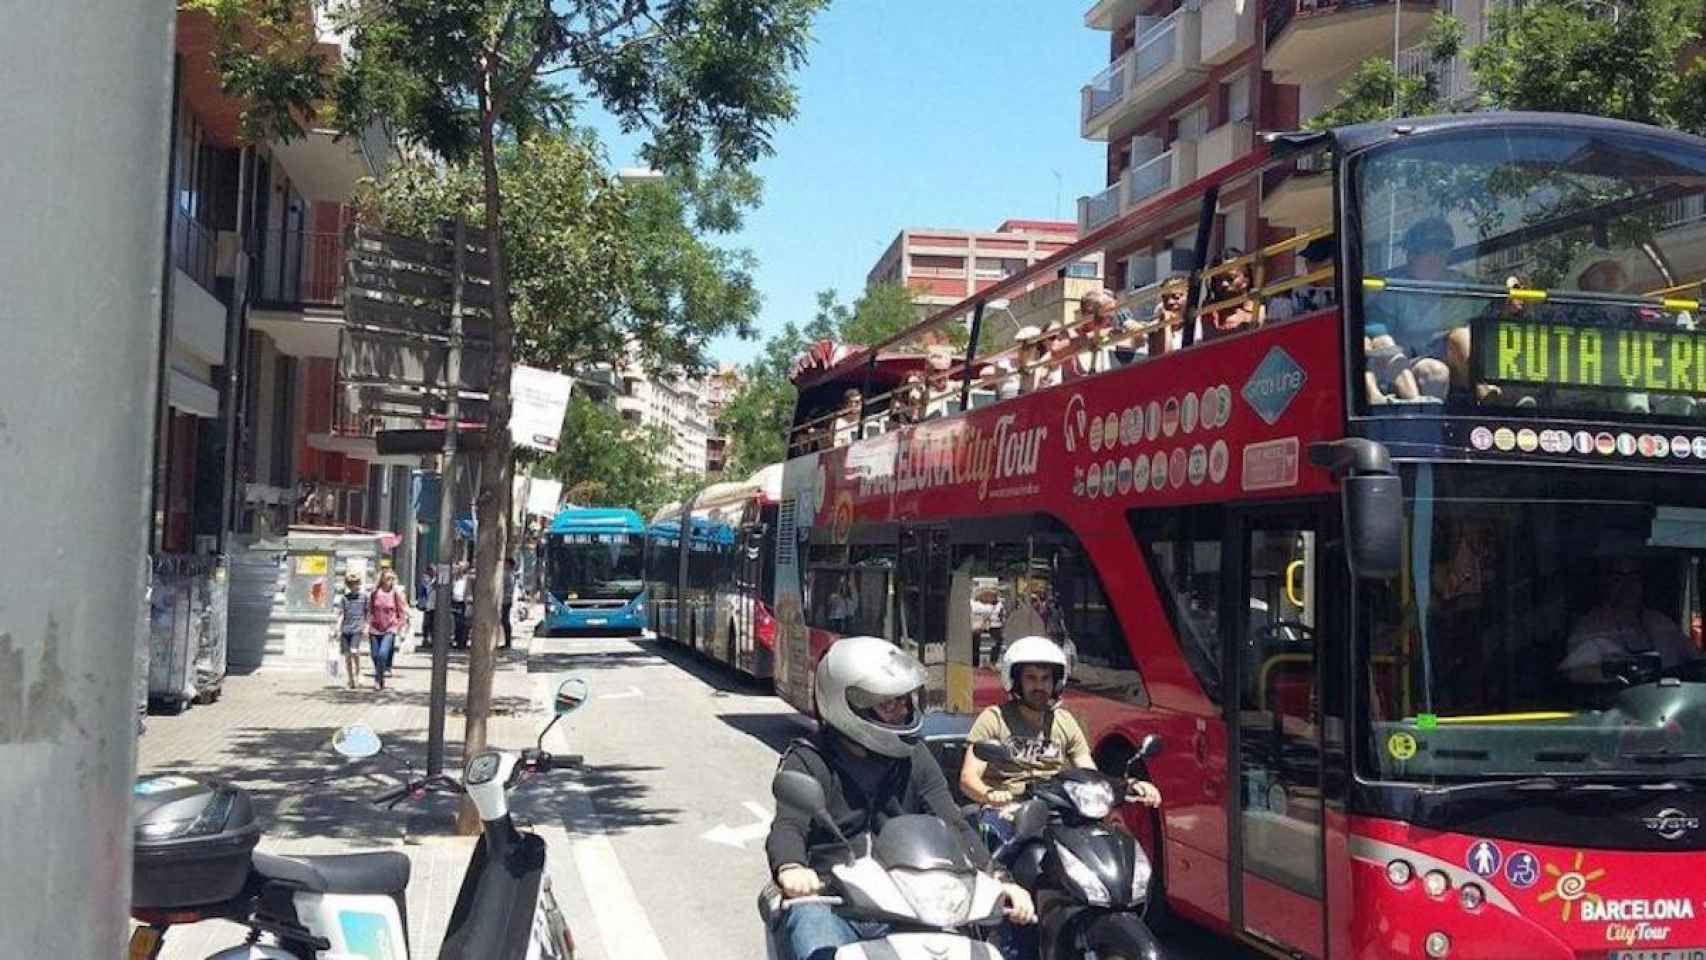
(490, 545)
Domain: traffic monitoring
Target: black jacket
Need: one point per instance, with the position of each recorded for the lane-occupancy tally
(913, 785)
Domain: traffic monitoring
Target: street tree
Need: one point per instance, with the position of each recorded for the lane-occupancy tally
(603, 460)
(708, 81)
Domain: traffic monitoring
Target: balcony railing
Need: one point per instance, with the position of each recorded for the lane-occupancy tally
(1281, 12)
(1151, 177)
(194, 250)
(300, 268)
(1102, 207)
(1155, 48)
(1107, 87)
(1452, 80)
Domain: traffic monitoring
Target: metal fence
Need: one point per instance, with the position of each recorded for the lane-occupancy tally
(301, 267)
(194, 248)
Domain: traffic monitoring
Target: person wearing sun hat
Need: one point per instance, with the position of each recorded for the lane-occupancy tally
(350, 605)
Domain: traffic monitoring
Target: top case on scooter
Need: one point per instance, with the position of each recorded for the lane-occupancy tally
(193, 841)
(919, 946)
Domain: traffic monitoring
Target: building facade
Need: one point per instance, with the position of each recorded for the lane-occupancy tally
(1187, 84)
(945, 266)
(685, 409)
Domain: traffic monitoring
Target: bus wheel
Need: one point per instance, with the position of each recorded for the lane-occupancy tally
(1146, 826)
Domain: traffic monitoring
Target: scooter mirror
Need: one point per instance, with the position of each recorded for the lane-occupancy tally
(571, 695)
(992, 751)
(800, 791)
(356, 741)
(1150, 746)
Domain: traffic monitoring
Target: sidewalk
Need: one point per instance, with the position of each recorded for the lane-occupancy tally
(271, 733)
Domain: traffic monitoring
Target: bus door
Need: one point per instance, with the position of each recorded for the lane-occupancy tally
(747, 568)
(921, 605)
(1277, 812)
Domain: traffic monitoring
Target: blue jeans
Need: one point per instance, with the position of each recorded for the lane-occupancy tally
(814, 932)
(381, 647)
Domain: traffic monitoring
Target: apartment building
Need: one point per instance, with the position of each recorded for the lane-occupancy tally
(1187, 85)
(682, 408)
(250, 330)
(945, 266)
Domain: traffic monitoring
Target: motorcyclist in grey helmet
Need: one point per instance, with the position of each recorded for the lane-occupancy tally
(872, 765)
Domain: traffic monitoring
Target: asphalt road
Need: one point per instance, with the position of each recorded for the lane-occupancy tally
(667, 827)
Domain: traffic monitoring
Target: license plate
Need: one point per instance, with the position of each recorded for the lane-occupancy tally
(1660, 953)
(596, 621)
(144, 943)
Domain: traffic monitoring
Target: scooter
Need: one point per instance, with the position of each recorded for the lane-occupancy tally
(195, 860)
(1090, 882)
(914, 877)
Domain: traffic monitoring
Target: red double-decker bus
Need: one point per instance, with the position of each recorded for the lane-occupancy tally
(1399, 549)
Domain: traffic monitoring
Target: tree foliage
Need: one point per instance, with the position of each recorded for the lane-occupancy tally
(605, 461)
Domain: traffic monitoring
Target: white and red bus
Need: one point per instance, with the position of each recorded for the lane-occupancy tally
(1407, 576)
(717, 598)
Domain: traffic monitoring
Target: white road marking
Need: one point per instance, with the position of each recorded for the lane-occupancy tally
(739, 837)
(627, 694)
(623, 926)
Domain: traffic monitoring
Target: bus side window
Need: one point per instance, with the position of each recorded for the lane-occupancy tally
(1183, 553)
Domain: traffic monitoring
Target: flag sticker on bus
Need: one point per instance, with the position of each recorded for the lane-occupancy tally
(1270, 465)
(1277, 381)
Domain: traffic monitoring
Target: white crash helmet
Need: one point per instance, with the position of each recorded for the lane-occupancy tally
(856, 674)
(1033, 649)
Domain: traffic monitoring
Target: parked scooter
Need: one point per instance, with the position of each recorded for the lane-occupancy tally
(1090, 881)
(195, 860)
(914, 877)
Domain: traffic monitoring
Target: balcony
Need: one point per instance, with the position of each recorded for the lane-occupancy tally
(194, 248)
(1452, 79)
(1224, 144)
(297, 291)
(1300, 198)
(1150, 178)
(1165, 63)
(1228, 29)
(1313, 40)
(1111, 14)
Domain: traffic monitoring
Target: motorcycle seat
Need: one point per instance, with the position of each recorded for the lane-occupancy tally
(384, 872)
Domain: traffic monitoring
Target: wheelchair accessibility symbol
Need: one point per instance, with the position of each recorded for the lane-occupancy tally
(1522, 870)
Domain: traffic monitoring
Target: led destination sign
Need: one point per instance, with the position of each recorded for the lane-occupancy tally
(1648, 359)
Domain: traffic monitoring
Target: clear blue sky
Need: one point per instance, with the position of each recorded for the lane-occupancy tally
(947, 113)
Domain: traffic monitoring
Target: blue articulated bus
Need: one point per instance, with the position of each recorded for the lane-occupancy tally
(594, 573)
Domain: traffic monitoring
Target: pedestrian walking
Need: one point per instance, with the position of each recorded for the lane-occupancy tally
(508, 600)
(350, 605)
(387, 616)
(426, 598)
(461, 585)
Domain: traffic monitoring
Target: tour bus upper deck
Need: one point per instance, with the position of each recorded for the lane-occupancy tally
(1439, 751)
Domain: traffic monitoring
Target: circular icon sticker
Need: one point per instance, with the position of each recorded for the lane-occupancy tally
(1484, 857)
(1108, 478)
(1626, 444)
(1679, 447)
(1198, 466)
(1522, 870)
(1219, 458)
(1093, 483)
(1211, 401)
(1644, 443)
(1158, 471)
(1661, 447)
(1481, 438)
(1140, 473)
(1527, 440)
(1224, 404)
(1176, 464)
(1095, 435)
(1505, 439)
(1170, 417)
(1605, 443)
(1401, 746)
(1188, 413)
(1130, 426)
(1125, 476)
(1152, 422)
(1584, 441)
(1111, 430)
(1554, 441)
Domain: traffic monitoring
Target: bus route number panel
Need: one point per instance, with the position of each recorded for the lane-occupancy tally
(1637, 359)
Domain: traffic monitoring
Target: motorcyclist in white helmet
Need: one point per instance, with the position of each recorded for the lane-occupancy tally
(872, 765)
(1043, 735)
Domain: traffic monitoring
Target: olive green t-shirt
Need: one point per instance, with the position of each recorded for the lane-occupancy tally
(1038, 758)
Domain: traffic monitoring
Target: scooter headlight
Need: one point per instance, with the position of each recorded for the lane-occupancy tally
(940, 898)
(1140, 872)
(1095, 892)
(1092, 798)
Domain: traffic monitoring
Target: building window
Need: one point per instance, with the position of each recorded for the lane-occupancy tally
(1084, 270)
(1000, 266)
(1190, 124)
(1236, 92)
(937, 265)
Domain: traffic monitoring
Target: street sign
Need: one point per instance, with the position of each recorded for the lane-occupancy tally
(370, 356)
(539, 400)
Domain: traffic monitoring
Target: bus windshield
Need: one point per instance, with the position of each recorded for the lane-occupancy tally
(1540, 627)
(1521, 268)
(594, 566)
